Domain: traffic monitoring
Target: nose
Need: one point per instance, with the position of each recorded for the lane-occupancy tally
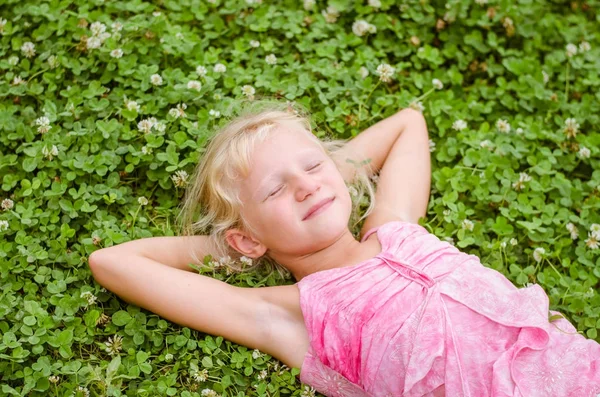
(305, 185)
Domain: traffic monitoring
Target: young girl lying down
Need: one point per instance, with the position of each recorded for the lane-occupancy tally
(397, 312)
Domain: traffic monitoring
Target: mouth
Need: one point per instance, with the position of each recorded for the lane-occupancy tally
(318, 208)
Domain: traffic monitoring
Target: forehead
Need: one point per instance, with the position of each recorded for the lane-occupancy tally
(284, 145)
(285, 139)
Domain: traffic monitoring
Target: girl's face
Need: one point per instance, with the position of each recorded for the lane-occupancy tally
(290, 173)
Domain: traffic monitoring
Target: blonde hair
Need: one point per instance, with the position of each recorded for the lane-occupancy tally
(228, 157)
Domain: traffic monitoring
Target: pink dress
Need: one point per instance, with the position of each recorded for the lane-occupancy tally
(425, 319)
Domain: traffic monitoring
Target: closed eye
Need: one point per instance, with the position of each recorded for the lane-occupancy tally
(310, 169)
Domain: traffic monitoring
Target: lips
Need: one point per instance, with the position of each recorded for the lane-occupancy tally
(317, 206)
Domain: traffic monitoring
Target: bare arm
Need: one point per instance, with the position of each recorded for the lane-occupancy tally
(374, 143)
(173, 251)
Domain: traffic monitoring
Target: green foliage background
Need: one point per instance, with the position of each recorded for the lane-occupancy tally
(86, 197)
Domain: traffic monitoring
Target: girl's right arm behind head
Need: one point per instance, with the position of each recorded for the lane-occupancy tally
(173, 251)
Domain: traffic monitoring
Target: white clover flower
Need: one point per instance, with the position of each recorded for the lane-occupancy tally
(83, 390)
(592, 240)
(571, 127)
(146, 150)
(256, 354)
(194, 85)
(385, 72)
(503, 244)
(7, 204)
(132, 105)
(156, 13)
(437, 84)
(249, 91)
(13, 60)
(486, 143)
(18, 80)
(199, 376)
(520, 184)
(584, 46)
(418, 106)
(87, 295)
(364, 72)
(156, 79)
(271, 59)
(573, 230)
(93, 42)
(331, 14)
(513, 241)
(519, 131)
(180, 178)
(2, 24)
(97, 28)
(160, 126)
(179, 111)
(263, 374)
(375, 3)
(254, 43)
(220, 68)
(246, 261)
(201, 71)
(459, 125)
(145, 126)
(114, 345)
(50, 153)
(546, 77)
(431, 145)
(44, 124)
(309, 4)
(595, 230)
(503, 126)
(28, 49)
(52, 61)
(481, 2)
(584, 152)
(209, 393)
(179, 35)
(538, 254)
(214, 113)
(362, 27)
(116, 26)
(571, 49)
(448, 239)
(3, 225)
(467, 224)
(53, 379)
(168, 357)
(118, 53)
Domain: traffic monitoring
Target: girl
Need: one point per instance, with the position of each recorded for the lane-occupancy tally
(397, 313)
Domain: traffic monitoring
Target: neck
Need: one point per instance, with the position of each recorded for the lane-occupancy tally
(344, 251)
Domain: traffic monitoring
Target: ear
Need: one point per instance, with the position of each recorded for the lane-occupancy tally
(245, 244)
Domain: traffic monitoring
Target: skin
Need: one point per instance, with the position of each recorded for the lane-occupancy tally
(319, 243)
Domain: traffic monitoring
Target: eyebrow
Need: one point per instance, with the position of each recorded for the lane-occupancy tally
(275, 175)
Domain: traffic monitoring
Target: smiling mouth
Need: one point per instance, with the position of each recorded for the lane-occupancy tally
(320, 209)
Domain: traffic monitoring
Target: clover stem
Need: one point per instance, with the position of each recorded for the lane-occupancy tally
(552, 266)
(567, 85)
(366, 100)
(134, 217)
(424, 95)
